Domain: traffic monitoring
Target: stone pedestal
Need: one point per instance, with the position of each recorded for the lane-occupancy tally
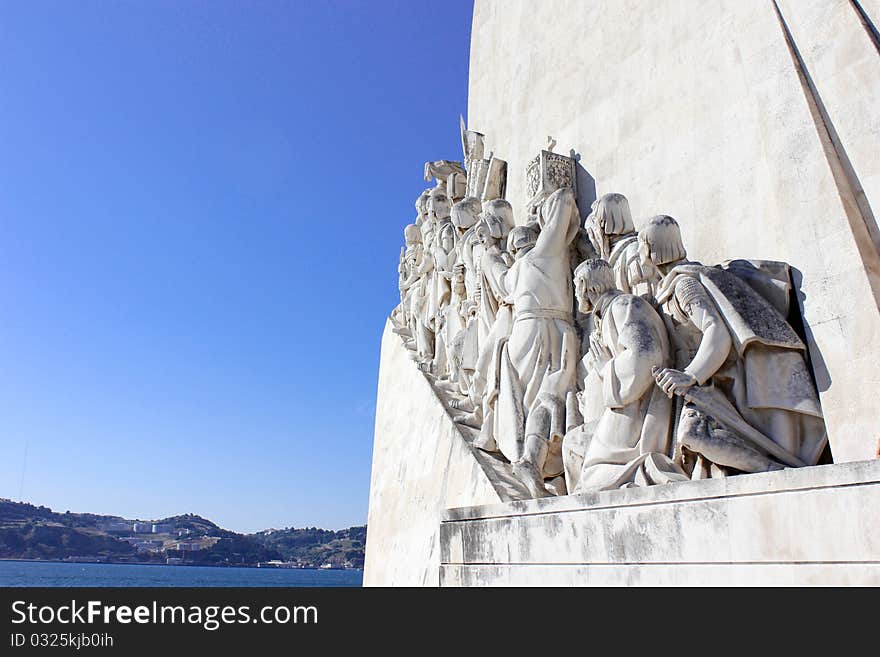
(805, 526)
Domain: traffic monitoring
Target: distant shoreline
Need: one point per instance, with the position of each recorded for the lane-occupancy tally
(169, 565)
(181, 540)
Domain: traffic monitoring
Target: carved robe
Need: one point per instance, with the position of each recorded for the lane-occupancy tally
(418, 265)
(623, 250)
(536, 367)
(764, 373)
(629, 444)
(469, 250)
(411, 283)
(444, 261)
(495, 316)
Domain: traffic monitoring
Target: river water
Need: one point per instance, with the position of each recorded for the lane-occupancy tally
(45, 573)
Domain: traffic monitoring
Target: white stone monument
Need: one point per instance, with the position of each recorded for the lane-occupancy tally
(602, 396)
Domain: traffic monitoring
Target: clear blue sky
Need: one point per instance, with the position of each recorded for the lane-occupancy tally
(201, 211)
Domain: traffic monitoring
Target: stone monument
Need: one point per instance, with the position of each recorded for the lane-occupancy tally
(578, 389)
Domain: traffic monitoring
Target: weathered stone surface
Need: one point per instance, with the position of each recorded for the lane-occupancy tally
(701, 113)
(422, 464)
(752, 124)
(844, 66)
(813, 525)
(801, 574)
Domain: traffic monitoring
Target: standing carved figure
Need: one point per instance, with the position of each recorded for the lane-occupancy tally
(495, 312)
(422, 207)
(461, 328)
(409, 281)
(497, 221)
(443, 252)
(465, 216)
(536, 366)
(612, 232)
(422, 309)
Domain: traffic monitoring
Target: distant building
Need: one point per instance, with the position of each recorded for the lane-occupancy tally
(191, 546)
(142, 528)
(163, 528)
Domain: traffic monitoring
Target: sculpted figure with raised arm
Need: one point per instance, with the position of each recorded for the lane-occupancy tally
(536, 366)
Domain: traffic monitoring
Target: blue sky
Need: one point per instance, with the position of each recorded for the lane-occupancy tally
(201, 210)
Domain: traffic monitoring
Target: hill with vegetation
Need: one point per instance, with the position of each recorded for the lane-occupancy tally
(37, 532)
(313, 545)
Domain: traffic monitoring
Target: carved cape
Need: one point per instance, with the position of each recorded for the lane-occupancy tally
(767, 364)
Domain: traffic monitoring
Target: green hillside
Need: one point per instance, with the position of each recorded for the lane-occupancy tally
(37, 532)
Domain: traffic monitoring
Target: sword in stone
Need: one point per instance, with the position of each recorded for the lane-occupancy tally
(705, 401)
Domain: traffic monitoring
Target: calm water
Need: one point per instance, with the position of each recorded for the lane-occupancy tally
(35, 573)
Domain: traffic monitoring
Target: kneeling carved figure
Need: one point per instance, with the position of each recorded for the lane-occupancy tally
(629, 443)
(750, 404)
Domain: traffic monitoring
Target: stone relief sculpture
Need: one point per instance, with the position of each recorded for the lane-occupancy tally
(536, 367)
(422, 208)
(441, 170)
(408, 280)
(597, 356)
(443, 251)
(612, 233)
(461, 317)
(424, 336)
(494, 306)
(629, 443)
(739, 366)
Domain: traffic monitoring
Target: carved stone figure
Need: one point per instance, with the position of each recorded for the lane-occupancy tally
(462, 325)
(409, 281)
(422, 207)
(613, 235)
(464, 347)
(737, 363)
(536, 366)
(399, 313)
(497, 219)
(465, 217)
(443, 251)
(495, 312)
(419, 265)
(411, 274)
(421, 307)
(440, 170)
(630, 442)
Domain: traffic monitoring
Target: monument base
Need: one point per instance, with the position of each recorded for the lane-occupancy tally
(806, 526)
(421, 466)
